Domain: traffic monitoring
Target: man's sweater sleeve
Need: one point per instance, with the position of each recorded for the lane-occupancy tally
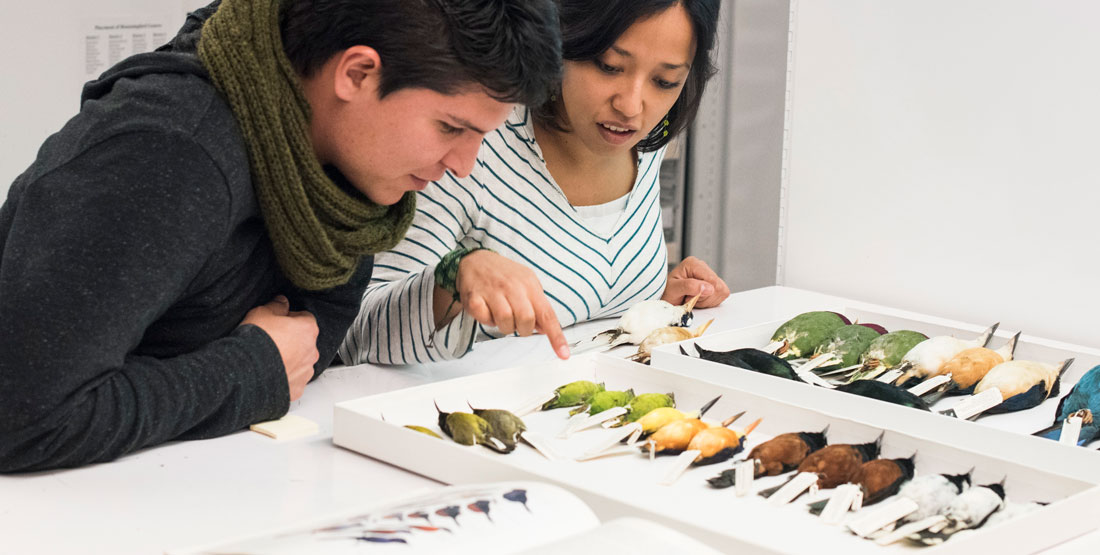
(94, 252)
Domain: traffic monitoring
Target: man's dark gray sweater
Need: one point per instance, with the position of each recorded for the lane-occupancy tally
(129, 253)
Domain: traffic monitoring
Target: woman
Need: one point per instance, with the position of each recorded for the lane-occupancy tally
(559, 221)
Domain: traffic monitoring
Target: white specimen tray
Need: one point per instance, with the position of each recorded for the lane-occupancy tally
(894, 417)
(627, 485)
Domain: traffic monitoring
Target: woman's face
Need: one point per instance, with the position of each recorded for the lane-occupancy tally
(611, 103)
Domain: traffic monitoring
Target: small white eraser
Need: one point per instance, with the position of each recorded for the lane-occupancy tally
(288, 427)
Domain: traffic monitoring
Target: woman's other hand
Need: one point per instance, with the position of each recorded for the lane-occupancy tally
(693, 277)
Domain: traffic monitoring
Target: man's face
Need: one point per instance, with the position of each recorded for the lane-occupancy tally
(399, 143)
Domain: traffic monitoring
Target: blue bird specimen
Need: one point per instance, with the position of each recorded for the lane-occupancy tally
(1084, 398)
(1023, 384)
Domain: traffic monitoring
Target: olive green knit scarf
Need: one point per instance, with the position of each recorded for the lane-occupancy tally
(319, 231)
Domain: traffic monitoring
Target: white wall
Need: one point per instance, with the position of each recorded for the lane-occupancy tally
(943, 158)
(43, 67)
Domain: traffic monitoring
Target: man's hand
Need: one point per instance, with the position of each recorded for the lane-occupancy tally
(295, 334)
(693, 277)
(499, 292)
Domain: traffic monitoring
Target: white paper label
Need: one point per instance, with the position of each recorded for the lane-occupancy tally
(816, 362)
(611, 439)
(1071, 430)
(882, 515)
(541, 445)
(810, 377)
(911, 528)
(839, 503)
(929, 384)
(678, 466)
(744, 473)
(977, 404)
(891, 376)
(857, 503)
(794, 488)
(533, 404)
(583, 421)
(844, 370)
(612, 452)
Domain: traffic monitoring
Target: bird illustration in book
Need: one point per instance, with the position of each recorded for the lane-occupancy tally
(375, 539)
(452, 511)
(480, 506)
(518, 496)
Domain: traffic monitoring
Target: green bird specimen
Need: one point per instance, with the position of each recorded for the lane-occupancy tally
(642, 404)
(423, 430)
(604, 400)
(573, 394)
(803, 333)
(503, 426)
(468, 429)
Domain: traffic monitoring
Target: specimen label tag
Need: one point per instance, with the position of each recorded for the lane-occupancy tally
(583, 421)
(977, 404)
(533, 404)
(542, 445)
(611, 439)
(840, 503)
(678, 466)
(1071, 430)
(745, 473)
(810, 377)
(818, 361)
(794, 488)
(882, 515)
(929, 384)
(891, 376)
(911, 528)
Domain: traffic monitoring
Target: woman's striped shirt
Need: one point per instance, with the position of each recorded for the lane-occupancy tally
(510, 204)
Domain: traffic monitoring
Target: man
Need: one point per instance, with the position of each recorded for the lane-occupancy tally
(188, 251)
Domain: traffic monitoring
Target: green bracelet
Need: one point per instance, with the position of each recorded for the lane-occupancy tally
(446, 272)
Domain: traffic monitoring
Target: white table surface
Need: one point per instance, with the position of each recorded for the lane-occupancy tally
(192, 493)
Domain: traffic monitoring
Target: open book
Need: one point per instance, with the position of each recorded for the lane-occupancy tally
(506, 517)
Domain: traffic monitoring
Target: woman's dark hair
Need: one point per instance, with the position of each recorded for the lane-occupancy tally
(511, 47)
(590, 27)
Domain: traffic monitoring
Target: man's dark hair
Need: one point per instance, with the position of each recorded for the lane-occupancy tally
(590, 27)
(510, 47)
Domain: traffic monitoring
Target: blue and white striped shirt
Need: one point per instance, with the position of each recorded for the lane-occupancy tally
(510, 204)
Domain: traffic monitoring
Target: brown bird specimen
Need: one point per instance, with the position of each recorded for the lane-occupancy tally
(878, 479)
(778, 455)
(785, 452)
(882, 478)
(839, 464)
